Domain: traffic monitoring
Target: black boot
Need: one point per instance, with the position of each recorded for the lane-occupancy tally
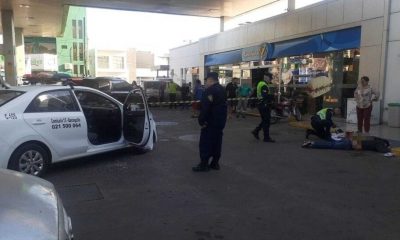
(214, 165)
(201, 168)
(255, 134)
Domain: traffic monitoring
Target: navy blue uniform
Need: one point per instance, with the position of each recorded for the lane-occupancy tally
(264, 108)
(322, 127)
(212, 119)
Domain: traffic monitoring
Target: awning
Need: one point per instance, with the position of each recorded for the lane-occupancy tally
(295, 47)
(341, 40)
(230, 57)
(325, 42)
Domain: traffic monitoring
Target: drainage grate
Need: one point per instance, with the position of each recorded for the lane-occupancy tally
(79, 193)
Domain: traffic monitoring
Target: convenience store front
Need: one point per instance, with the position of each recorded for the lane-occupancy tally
(294, 63)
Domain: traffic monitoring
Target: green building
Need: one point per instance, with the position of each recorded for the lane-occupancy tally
(73, 44)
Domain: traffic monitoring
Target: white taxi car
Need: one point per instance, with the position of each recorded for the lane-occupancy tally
(40, 125)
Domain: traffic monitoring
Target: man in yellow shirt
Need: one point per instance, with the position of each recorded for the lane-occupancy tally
(172, 89)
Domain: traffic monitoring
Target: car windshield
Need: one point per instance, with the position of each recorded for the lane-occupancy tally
(8, 95)
(121, 85)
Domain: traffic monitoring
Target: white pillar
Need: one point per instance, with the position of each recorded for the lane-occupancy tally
(20, 52)
(7, 23)
(291, 5)
(222, 21)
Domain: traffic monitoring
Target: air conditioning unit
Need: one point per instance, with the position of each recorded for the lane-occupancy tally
(68, 66)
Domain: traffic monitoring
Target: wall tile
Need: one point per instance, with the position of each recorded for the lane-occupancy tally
(352, 11)
(370, 62)
(318, 20)
(392, 85)
(395, 5)
(394, 32)
(373, 8)
(334, 15)
(280, 27)
(371, 32)
(292, 24)
(268, 29)
(305, 21)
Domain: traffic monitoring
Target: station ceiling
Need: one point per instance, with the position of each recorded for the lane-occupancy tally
(46, 17)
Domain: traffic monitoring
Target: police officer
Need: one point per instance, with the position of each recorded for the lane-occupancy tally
(265, 99)
(322, 123)
(212, 120)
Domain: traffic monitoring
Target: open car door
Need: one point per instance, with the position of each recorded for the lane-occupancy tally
(136, 121)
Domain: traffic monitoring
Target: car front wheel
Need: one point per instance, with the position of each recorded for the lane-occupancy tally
(30, 158)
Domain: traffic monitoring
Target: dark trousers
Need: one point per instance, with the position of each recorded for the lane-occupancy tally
(364, 118)
(172, 98)
(265, 113)
(322, 128)
(184, 103)
(344, 144)
(210, 145)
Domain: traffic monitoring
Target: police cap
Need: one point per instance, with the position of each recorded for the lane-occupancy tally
(213, 76)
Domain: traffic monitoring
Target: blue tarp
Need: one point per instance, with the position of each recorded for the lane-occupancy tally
(295, 47)
(341, 40)
(325, 42)
(230, 57)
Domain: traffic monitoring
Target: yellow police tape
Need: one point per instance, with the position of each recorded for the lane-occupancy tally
(188, 102)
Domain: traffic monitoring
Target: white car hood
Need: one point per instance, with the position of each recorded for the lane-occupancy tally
(28, 207)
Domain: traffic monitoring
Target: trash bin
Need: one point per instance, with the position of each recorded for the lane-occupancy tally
(394, 115)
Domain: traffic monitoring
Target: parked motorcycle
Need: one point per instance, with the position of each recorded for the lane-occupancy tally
(286, 108)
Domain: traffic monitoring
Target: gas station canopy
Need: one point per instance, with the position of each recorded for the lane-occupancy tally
(46, 17)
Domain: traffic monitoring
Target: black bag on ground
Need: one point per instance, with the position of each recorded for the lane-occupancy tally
(376, 144)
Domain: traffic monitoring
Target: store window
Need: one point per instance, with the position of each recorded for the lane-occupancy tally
(340, 67)
(74, 28)
(80, 29)
(103, 61)
(81, 51)
(75, 51)
(76, 69)
(118, 62)
(304, 3)
(81, 69)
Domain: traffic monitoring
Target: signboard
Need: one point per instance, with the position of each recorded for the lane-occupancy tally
(352, 112)
(40, 45)
(255, 53)
(42, 62)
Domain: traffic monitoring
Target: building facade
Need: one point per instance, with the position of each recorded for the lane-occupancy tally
(109, 63)
(128, 64)
(72, 46)
(343, 39)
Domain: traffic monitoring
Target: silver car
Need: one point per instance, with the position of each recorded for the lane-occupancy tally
(30, 208)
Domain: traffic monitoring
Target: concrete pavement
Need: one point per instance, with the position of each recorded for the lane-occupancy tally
(263, 191)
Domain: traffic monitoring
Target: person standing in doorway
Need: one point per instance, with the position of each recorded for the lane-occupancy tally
(185, 91)
(244, 94)
(197, 95)
(161, 92)
(364, 96)
(265, 99)
(231, 90)
(172, 89)
(212, 120)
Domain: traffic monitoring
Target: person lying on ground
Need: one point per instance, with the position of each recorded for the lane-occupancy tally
(347, 143)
